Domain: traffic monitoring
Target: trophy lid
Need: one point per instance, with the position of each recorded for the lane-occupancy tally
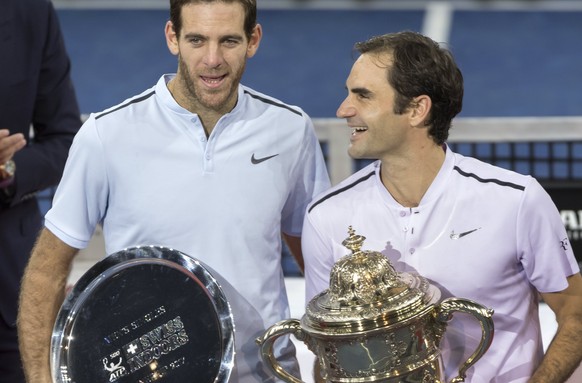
(366, 293)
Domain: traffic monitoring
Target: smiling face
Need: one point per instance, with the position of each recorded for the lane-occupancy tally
(377, 131)
(212, 50)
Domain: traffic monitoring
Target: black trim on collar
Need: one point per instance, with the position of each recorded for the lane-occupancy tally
(341, 190)
(271, 102)
(144, 97)
(495, 181)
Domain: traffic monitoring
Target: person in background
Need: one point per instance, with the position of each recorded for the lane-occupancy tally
(198, 163)
(474, 230)
(39, 117)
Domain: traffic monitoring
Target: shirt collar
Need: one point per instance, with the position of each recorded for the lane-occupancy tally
(168, 100)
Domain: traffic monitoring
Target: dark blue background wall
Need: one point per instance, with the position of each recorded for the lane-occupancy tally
(515, 63)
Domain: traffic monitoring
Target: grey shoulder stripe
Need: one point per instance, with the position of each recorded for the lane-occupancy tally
(267, 101)
(487, 180)
(341, 190)
(134, 101)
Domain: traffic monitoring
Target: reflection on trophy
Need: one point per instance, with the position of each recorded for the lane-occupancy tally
(375, 324)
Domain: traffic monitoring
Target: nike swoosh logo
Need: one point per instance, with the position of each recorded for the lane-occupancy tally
(460, 235)
(259, 160)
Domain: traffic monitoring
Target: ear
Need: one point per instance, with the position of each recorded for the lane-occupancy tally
(254, 41)
(172, 38)
(420, 110)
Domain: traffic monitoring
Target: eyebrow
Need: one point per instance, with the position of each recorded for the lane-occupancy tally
(222, 38)
(232, 37)
(361, 91)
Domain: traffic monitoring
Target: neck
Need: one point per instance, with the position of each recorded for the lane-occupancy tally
(408, 177)
(208, 116)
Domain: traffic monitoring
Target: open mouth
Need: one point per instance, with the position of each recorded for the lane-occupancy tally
(358, 129)
(213, 81)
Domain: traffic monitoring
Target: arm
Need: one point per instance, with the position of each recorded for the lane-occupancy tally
(294, 245)
(311, 179)
(42, 293)
(565, 352)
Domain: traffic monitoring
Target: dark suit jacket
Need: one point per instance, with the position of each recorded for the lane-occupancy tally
(35, 90)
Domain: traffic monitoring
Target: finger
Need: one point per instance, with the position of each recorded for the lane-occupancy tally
(13, 142)
(10, 145)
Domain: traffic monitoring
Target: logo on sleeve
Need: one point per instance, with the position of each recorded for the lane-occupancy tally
(564, 243)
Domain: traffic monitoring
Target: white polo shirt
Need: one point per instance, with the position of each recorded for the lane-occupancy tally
(147, 172)
(480, 232)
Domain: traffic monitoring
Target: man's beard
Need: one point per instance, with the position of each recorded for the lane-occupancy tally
(217, 101)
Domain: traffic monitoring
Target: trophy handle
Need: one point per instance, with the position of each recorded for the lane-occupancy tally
(266, 341)
(444, 313)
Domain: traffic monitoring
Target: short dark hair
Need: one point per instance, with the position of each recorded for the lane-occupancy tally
(420, 66)
(250, 7)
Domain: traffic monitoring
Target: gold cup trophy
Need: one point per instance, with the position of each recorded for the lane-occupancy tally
(374, 324)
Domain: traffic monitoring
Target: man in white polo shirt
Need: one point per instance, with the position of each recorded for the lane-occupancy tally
(474, 230)
(198, 163)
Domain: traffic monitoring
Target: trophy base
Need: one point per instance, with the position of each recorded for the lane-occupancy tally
(429, 373)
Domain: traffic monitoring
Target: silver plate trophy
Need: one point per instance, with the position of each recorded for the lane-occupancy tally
(144, 314)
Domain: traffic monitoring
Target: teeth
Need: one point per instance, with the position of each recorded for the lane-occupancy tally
(358, 129)
(212, 80)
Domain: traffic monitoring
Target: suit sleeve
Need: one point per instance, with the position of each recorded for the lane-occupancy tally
(55, 116)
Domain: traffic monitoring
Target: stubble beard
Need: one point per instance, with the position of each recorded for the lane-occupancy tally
(355, 151)
(355, 155)
(220, 101)
(361, 151)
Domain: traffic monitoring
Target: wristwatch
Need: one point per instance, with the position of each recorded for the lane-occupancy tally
(7, 189)
(7, 170)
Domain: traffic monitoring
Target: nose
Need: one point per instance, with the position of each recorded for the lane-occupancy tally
(345, 110)
(213, 57)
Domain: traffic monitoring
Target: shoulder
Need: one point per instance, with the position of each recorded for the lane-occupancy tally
(127, 107)
(289, 124)
(482, 174)
(119, 122)
(363, 181)
(28, 16)
(28, 8)
(258, 100)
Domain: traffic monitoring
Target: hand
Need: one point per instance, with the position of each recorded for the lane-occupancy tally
(10, 144)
